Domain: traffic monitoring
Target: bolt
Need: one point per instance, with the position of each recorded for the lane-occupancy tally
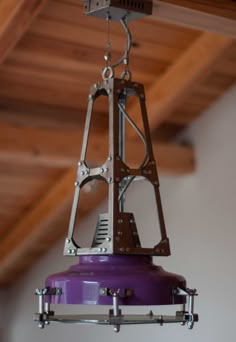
(116, 328)
(102, 170)
(109, 158)
(86, 172)
(104, 250)
(102, 292)
(108, 239)
(96, 85)
(67, 240)
(69, 251)
(82, 173)
(79, 163)
(106, 169)
(109, 179)
(76, 183)
(100, 249)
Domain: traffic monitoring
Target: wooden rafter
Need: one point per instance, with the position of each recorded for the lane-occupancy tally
(213, 16)
(15, 18)
(60, 149)
(34, 233)
(167, 93)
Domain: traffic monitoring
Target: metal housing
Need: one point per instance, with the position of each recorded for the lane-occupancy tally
(117, 9)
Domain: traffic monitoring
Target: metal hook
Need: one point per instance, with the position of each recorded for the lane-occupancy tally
(124, 59)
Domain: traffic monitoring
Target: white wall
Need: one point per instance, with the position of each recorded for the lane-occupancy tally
(200, 213)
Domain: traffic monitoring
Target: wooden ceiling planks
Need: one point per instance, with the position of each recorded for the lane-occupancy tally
(15, 18)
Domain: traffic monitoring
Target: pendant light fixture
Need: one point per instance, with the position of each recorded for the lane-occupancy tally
(117, 270)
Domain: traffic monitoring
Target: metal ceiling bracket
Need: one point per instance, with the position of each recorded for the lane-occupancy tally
(118, 9)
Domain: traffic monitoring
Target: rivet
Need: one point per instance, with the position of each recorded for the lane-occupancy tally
(104, 250)
(109, 158)
(67, 240)
(90, 96)
(106, 169)
(108, 239)
(96, 85)
(82, 173)
(109, 180)
(120, 220)
(79, 163)
(102, 170)
(100, 249)
(76, 183)
(69, 251)
(86, 172)
(108, 91)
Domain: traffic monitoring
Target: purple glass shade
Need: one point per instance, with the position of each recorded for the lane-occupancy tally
(82, 283)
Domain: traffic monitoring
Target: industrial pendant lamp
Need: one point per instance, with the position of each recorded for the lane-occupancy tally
(117, 270)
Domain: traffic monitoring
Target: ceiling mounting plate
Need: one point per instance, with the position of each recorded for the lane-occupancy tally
(118, 9)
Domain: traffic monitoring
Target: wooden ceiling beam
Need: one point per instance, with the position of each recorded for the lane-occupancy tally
(15, 18)
(62, 149)
(169, 91)
(35, 232)
(213, 16)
